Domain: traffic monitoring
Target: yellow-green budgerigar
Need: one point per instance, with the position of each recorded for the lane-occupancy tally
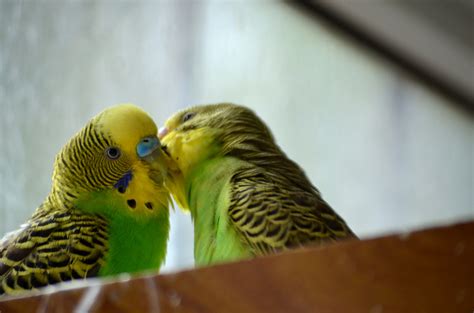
(107, 212)
(246, 197)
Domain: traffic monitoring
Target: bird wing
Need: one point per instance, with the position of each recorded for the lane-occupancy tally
(271, 216)
(52, 247)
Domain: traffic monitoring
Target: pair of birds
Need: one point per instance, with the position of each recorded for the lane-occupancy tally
(108, 209)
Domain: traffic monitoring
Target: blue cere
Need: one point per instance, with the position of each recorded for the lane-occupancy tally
(147, 145)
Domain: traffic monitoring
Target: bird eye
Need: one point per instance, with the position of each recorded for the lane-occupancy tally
(112, 153)
(188, 116)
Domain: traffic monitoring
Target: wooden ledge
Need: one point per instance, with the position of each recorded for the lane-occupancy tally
(425, 271)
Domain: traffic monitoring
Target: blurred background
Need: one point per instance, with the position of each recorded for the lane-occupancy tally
(373, 100)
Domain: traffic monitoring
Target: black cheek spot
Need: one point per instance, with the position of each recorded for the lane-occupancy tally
(121, 189)
(149, 205)
(132, 203)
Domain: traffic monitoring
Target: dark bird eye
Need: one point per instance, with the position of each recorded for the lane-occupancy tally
(113, 153)
(188, 116)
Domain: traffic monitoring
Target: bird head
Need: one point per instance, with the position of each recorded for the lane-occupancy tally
(200, 133)
(113, 165)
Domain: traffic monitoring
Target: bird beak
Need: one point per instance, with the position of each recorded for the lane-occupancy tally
(148, 150)
(162, 132)
(147, 146)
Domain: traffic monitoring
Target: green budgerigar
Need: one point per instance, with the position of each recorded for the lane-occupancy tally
(107, 212)
(246, 197)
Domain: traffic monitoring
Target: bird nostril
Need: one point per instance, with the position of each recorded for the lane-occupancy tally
(149, 205)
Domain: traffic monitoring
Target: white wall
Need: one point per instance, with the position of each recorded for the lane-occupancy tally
(387, 153)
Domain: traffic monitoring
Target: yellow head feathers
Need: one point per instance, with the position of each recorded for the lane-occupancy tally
(117, 154)
(126, 125)
(201, 132)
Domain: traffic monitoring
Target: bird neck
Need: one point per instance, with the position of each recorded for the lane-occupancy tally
(136, 245)
(59, 199)
(205, 182)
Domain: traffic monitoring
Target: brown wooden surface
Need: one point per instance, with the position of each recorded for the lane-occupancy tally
(427, 271)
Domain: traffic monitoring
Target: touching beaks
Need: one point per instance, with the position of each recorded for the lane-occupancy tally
(162, 132)
(147, 146)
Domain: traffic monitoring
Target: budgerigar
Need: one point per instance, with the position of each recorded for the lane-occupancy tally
(107, 212)
(246, 197)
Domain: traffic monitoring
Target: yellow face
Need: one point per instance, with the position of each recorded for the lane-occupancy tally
(135, 131)
(118, 155)
(187, 149)
(192, 136)
(189, 136)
